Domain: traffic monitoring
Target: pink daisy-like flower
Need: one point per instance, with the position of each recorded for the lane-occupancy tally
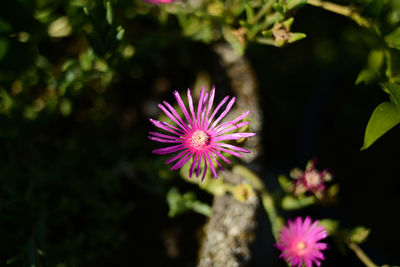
(156, 2)
(299, 242)
(201, 136)
(311, 180)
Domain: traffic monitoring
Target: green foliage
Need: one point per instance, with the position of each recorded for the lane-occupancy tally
(179, 203)
(359, 234)
(384, 118)
(292, 203)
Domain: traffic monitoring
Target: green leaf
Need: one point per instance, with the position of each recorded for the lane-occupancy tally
(375, 59)
(295, 4)
(359, 234)
(330, 225)
(394, 90)
(384, 118)
(296, 36)
(284, 182)
(292, 203)
(179, 203)
(109, 13)
(366, 76)
(393, 39)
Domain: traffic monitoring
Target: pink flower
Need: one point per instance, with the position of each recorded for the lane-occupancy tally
(156, 2)
(311, 180)
(199, 136)
(299, 242)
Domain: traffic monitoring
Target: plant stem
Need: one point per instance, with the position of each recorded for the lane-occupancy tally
(267, 200)
(262, 11)
(361, 255)
(341, 10)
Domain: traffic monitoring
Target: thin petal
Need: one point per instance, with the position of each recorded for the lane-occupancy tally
(175, 113)
(205, 168)
(184, 129)
(233, 147)
(198, 166)
(199, 106)
(183, 108)
(164, 136)
(234, 136)
(234, 127)
(168, 161)
(211, 166)
(168, 150)
(217, 108)
(162, 140)
(190, 101)
(193, 165)
(216, 161)
(221, 156)
(182, 161)
(230, 152)
(166, 126)
(226, 124)
(210, 103)
(203, 110)
(223, 114)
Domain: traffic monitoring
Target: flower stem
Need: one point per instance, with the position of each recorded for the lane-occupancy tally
(265, 8)
(347, 11)
(266, 198)
(361, 255)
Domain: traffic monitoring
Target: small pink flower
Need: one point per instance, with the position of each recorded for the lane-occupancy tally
(156, 2)
(201, 136)
(311, 180)
(299, 242)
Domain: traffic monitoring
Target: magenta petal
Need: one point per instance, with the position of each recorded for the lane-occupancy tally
(162, 140)
(182, 161)
(205, 168)
(221, 156)
(168, 150)
(184, 129)
(232, 147)
(230, 152)
(210, 103)
(165, 136)
(217, 108)
(234, 136)
(183, 108)
(211, 166)
(198, 166)
(199, 106)
(190, 100)
(232, 128)
(168, 161)
(193, 165)
(228, 107)
(175, 113)
(165, 126)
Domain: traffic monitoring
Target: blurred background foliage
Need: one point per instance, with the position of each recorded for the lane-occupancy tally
(79, 79)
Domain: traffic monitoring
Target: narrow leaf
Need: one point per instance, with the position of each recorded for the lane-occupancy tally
(384, 118)
(394, 90)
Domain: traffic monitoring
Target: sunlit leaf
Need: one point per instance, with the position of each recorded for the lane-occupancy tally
(359, 234)
(292, 203)
(384, 118)
(394, 90)
(393, 39)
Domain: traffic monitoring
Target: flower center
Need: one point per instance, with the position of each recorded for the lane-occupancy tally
(300, 247)
(313, 178)
(198, 140)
